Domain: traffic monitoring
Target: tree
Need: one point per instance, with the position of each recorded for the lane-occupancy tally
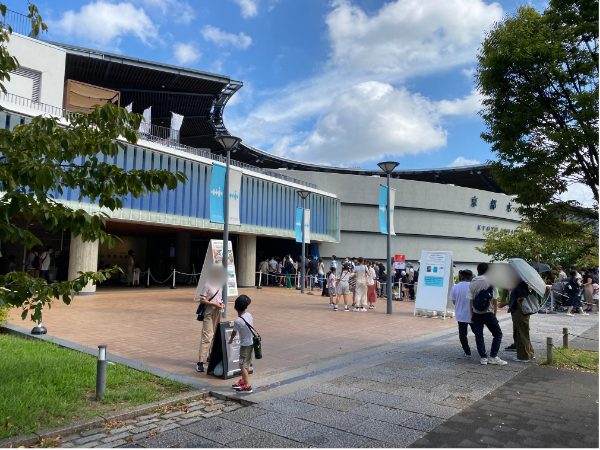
(38, 158)
(538, 74)
(531, 246)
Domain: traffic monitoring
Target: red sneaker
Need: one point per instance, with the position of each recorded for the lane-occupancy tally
(245, 390)
(238, 385)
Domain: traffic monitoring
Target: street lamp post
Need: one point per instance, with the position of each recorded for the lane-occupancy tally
(388, 167)
(228, 143)
(303, 195)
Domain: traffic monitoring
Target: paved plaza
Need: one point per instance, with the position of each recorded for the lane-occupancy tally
(396, 390)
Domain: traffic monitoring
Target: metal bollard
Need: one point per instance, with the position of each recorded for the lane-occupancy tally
(259, 281)
(101, 372)
(549, 355)
(174, 276)
(565, 338)
(148, 279)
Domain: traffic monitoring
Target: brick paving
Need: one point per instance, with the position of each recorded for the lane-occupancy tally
(398, 397)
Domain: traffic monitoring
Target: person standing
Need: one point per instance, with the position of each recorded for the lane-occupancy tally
(371, 285)
(360, 287)
(483, 298)
(210, 295)
(244, 327)
(520, 323)
(45, 260)
(130, 267)
(331, 288)
(573, 291)
(263, 271)
(462, 308)
(343, 287)
(33, 262)
(588, 290)
(562, 276)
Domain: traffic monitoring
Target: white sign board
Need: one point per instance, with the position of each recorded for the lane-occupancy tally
(435, 281)
(214, 257)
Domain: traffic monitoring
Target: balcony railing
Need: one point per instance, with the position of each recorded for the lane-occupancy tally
(19, 23)
(150, 133)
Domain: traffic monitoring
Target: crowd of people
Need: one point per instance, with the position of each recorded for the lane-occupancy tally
(355, 282)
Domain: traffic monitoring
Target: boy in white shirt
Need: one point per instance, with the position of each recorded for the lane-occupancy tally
(243, 326)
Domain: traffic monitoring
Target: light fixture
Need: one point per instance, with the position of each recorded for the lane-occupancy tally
(228, 142)
(388, 166)
(303, 194)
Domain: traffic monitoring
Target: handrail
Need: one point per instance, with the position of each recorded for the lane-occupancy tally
(17, 22)
(153, 133)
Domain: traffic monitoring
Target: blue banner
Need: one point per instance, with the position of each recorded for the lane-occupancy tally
(298, 225)
(217, 190)
(382, 209)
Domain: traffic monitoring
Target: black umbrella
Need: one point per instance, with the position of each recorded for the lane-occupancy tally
(541, 267)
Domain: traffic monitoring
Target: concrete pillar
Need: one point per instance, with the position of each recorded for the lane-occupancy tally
(83, 257)
(246, 260)
(183, 250)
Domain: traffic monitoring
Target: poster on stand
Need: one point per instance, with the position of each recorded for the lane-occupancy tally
(400, 262)
(214, 258)
(435, 281)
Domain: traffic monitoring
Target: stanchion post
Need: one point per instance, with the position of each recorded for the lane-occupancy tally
(101, 372)
(549, 355)
(148, 279)
(174, 276)
(259, 281)
(565, 338)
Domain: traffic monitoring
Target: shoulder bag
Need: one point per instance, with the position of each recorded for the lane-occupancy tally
(201, 311)
(530, 304)
(256, 340)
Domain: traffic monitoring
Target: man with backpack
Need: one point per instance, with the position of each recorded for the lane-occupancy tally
(483, 299)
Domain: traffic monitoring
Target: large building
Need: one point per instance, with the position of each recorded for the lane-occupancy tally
(446, 209)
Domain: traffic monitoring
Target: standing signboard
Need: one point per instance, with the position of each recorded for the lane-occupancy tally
(435, 281)
(400, 262)
(225, 353)
(214, 257)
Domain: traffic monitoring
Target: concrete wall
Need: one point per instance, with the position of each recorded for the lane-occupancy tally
(41, 57)
(428, 216)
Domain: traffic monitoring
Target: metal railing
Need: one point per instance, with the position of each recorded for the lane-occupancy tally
(17, 22)
(152, 133)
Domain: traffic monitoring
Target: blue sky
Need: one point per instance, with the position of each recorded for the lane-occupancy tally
(345, 82)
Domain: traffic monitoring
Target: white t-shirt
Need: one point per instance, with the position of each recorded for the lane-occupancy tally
(371, 276)
(45, 261)
(361, 274)
(242, 329)
(462, 305)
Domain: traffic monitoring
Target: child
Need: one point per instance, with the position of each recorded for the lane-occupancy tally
(331, 281)
(243, 325)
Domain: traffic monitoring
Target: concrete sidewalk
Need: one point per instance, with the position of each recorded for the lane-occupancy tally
(393, 397)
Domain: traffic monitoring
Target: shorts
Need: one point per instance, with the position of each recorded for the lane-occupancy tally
(246, 356)
(343, 288)
(331, 291)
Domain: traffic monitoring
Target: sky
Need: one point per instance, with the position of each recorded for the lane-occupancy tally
(342, 82)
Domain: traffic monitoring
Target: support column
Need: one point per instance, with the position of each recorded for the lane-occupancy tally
(83, 257)
(246, 261)
(183, 250)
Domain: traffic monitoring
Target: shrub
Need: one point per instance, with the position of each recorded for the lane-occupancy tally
(3, 314)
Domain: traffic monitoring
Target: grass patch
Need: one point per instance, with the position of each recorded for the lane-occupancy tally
(575, 359)
(43, 385)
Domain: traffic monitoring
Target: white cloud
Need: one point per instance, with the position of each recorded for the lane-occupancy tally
(178, 11)
(408, 37)
(581, 193)
(221, 38)
(371, 57)
(186, 53)
(471, 104)
(462, 161)
(248, 8)
(106, 23)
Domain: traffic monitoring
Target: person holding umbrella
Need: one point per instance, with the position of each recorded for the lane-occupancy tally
(520, 322)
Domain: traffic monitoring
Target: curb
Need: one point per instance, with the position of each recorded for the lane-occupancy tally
(34, 438)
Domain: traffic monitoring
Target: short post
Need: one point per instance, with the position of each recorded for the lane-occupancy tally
(549, 346)
(565, 338)
(259, 281)
(148, 278)
(174, 276)
(101, 372)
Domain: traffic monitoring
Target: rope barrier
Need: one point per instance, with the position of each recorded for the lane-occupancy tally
(161, 282)
(560, 350)
(583, 337)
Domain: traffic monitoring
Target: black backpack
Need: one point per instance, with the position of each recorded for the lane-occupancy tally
(482, 300)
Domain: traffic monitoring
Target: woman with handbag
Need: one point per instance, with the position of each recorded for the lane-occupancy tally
(209, 312)
(521, 322)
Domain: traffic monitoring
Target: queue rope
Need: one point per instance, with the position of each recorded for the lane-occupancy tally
(161, 282)
(582, 337)
(560, 349)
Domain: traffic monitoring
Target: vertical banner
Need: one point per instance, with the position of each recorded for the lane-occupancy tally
(383, 206)
(217, 190)
(176, 122)
(307, 226)
(298, 225)
(235, 187)
(129, 108)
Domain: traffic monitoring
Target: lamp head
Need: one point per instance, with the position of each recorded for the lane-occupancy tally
(303, 194)
(228, 142)
(388, 166)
